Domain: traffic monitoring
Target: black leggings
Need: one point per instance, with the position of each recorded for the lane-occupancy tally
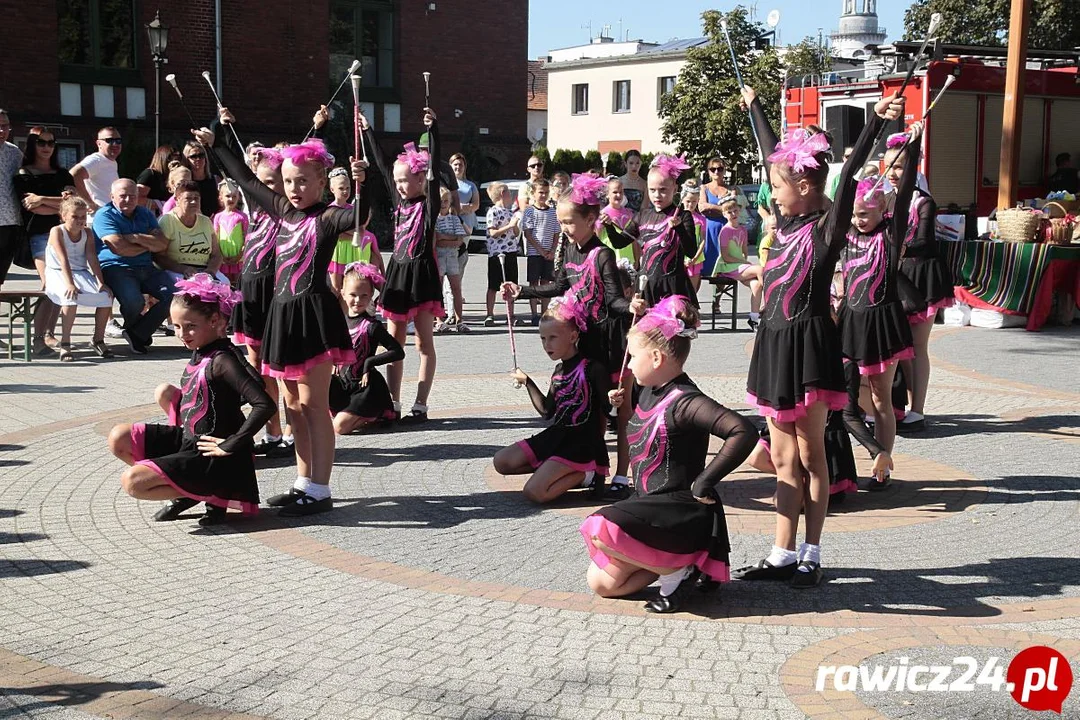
(9, 238)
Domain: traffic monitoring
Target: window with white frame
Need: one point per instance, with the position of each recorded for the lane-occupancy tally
(621, 100)
(580, 104)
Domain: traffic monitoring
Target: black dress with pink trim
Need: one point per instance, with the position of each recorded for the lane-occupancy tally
(591, 275)
(797, 358)
(215, 383)
(874, 330)
(256, 279)
(664, 250)
(412, 273)
(576, 405)
(305, 326)
(372, 401)
(663, 525)
(922, 262)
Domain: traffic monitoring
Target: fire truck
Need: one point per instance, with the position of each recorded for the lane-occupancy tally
(962, 143)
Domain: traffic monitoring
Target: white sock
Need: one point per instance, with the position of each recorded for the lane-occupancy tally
(755, 316)
(397, 406)
(779, 557)
(809, 553)
(588, 481)
(670, 583)
(911, 416)
(288, 439)
(271, 438)
(417, 407)
(620, 480)
(319, 492)
(302, 483)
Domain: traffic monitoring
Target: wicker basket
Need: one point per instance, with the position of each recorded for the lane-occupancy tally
(1019, 224)
(1059, 230)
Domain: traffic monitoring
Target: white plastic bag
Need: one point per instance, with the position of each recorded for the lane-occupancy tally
(957, 315)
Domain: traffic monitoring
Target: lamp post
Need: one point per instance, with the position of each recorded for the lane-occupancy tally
(159, 42)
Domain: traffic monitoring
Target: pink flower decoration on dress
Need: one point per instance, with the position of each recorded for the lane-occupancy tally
(309, 151)
(204, 287)
(664, 317)
(799, 150)
(672, 166)
(416, 160)
(368, 271)
(588, 189)
(569, 309)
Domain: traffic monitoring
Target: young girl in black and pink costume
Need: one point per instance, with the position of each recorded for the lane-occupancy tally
(924, 266)
(674, 527)
(874, 331)
(589, 274)
(570, 452)
(665, 232)
(413, 289)
(204, 453)
(305, 333)
(796, 375)
(358, 393)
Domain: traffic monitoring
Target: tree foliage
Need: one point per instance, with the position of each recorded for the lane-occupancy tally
(1055, 24)
(702, 116)
(807, 58)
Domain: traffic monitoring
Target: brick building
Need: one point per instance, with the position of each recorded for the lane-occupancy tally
(76, 65)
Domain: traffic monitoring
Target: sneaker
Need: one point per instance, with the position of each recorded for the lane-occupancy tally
(136, 347)
(461, 327)
(489, 321)
(113, 329)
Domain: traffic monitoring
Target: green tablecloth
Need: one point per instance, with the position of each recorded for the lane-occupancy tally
(1004, 275)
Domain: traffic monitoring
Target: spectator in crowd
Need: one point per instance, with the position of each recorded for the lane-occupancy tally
(41, 185)
(193, 244)
(151, 181)
(634, 186)
(195, 154)
(127, 237)
(96, 173)
(10, 159)
(1065, 176)
(178, 173)
(560, 182)
(536, 172)
(449, 237)
(709, 206)
(468, 195)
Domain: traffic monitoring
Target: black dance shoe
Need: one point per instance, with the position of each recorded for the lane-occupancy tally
(415, 416)
(175, 509)
(707, 585)
(879, 485)
(307, 505)
(285, 498)
(596, 488)
(618, 491)
(214, 516)
(671, 603)
(280, 449)
(808, 578)
(764, 570)
(263, 446)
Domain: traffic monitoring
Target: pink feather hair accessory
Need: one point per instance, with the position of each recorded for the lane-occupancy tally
(869, 191)
(416, 160)
(271, 156)
(896, 140)
(204, 287)
(664, 316)
(586, 189)
(569, 309)
(800, 149)
(309, 151)
(366, 271)
(671, 165)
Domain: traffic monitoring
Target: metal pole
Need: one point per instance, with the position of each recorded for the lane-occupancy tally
(157, 104)
(1012, 118)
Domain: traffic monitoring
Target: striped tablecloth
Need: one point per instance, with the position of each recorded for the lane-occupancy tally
(1003, 275)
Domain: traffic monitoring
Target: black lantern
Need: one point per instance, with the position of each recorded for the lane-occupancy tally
(159, 41)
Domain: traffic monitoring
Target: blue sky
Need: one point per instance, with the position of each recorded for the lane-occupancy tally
(559, 23)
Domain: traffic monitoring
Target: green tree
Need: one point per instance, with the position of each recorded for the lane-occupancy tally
(807, 58)
(541, 153)
(702, 115)
(593, 160)
(1055, 24)
(614, 164)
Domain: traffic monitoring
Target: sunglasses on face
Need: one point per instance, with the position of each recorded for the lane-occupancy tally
(196, 156)
(716, 169)
(46, 143)
(112, 141)
(533, 166)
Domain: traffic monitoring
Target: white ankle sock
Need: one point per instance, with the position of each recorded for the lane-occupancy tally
(670, 583)
(755, 316)
(810, 553)
(288, 439)
(313, 489)
(588, 481)
(620, 480)
(417, 407)
(271, 438)
(779, 557)
(301, 483)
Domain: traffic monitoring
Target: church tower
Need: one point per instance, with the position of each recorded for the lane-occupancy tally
(858, 29)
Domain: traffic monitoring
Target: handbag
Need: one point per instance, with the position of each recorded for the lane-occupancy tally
(21, 255)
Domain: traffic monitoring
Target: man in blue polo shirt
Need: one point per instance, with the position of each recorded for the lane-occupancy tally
(127, 236)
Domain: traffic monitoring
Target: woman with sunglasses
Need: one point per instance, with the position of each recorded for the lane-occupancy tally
(195, 155)
(41, 185)
(709, 206)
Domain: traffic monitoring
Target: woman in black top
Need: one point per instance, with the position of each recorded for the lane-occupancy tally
(151, 181)
(40, 185)
(200, 173)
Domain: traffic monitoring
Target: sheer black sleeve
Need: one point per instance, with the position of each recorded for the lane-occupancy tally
(538, 398)
(925, 242)
(763, 132)
(625, 237)
(551, 290)
(393, 352)
(701, 412)
(838, 218)
(434, 201)
(614, 298)
(336, 221)
(904, 193)
(376, 158)
(276, 205)
(853, 419)
(686, 232)
(599, 385)
(230, 368)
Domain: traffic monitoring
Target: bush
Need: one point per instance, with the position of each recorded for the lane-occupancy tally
(615, 165)
(593, 160)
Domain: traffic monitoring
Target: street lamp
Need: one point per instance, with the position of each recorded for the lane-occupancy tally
(159, 41)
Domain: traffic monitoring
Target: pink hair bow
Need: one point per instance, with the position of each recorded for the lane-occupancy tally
(671, 165)
(569, 309)
(897, 140)
(416, 160)
(271, 156)
(800, 149)
(664, 316)
(367, 271)
(588, 189)
(204, 287)
(309, 151)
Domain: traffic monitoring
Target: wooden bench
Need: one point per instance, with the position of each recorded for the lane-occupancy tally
(724, 288)
(21, 306)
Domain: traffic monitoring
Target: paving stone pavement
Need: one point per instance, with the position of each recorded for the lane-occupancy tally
(435, 591)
